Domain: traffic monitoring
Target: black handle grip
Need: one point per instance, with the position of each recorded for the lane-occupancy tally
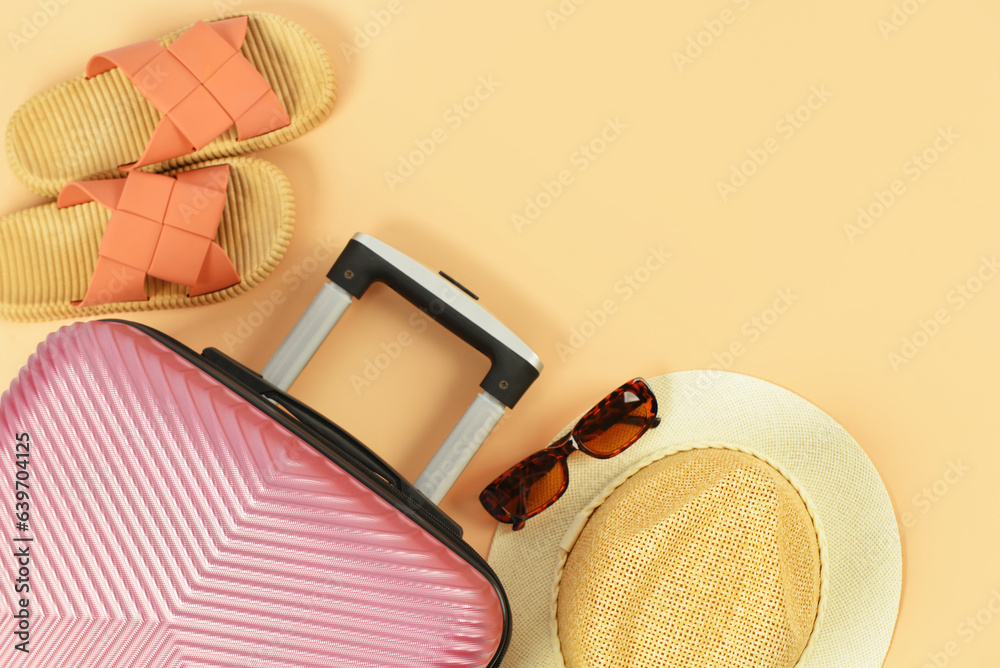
(365, 261)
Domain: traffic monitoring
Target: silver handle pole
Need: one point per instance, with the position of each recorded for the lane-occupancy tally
(306, 336)
(462, 443)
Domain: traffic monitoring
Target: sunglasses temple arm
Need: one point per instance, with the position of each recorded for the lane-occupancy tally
(651, 421)
(461, 444)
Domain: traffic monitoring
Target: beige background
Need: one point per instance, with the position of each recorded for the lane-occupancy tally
(887, 82)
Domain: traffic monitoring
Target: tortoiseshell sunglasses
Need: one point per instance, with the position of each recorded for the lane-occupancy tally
(607, 429)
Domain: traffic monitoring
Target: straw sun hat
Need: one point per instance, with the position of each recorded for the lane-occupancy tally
(747, 530)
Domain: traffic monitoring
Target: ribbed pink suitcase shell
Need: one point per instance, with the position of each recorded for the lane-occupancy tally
(176, 525)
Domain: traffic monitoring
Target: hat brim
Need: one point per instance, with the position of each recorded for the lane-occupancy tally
(861, 559)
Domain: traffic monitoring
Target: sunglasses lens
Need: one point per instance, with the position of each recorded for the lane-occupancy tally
(617, 422)
(526, 489)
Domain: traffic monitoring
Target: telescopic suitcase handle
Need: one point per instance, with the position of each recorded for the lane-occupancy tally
(366, 260)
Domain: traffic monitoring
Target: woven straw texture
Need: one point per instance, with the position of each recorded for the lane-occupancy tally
(47, 255)
(707, 557)
(86, 128)
(860, 557)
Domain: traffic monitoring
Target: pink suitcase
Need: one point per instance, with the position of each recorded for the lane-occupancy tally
(166, 509)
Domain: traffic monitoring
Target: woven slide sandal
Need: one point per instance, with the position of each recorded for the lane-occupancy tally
(213, 232)
(212, 90)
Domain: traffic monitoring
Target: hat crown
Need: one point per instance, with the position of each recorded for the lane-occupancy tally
(705, 557)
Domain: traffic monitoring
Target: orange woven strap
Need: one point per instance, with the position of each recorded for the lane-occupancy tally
(161, 226)
(201, 84)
